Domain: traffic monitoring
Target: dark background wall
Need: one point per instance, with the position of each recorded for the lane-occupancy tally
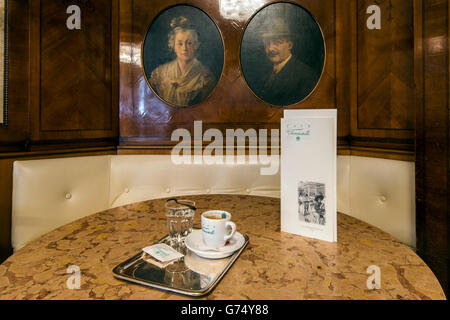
(75, 93)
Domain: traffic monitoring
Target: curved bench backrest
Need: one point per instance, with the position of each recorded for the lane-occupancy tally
(139, 178)
(50, 193)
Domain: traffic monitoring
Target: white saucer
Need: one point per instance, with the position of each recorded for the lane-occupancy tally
(194, 242)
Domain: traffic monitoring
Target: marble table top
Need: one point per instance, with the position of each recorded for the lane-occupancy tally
(274, 266)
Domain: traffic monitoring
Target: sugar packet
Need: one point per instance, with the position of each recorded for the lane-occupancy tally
(149, 259)
(162, 252)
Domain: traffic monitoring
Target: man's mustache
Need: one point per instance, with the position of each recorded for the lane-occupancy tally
(272, 54)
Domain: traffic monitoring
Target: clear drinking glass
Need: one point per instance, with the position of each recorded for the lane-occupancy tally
(180, 220)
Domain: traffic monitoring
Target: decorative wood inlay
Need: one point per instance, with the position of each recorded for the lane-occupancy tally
(76, 68)
(432, 138)
(386, 67)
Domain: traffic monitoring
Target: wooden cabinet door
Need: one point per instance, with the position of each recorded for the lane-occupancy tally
(74, 92)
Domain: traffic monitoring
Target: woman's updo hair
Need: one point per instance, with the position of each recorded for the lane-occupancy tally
(182, 23)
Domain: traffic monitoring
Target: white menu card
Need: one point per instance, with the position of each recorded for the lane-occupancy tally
(308, 173)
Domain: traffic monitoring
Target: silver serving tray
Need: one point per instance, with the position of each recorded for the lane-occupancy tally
(192, 275)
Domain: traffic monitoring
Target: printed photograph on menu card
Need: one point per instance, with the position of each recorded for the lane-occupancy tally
(311, 203)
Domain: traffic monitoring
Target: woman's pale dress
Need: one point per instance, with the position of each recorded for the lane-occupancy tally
(182, 90)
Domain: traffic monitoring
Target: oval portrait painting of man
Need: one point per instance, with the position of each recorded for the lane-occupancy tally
(282, 54)
(182, 56)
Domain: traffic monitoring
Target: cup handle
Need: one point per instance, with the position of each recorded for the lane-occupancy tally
(233, 230)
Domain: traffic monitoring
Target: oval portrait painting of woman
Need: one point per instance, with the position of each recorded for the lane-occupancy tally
(282, 54)
(182, 56)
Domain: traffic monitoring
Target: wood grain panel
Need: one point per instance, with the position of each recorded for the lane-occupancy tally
(5, 208)
(92, 60)
(18, 130)
(75, 68)
(74, 77)
(382, 81)
(432, 138)
(386, 67)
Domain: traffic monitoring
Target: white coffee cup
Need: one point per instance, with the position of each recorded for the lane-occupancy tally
(215, 228)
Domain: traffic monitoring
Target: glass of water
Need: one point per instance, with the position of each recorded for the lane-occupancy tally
(180, 220)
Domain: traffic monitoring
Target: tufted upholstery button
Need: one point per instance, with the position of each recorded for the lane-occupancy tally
(168, 190)
(126, 190)
(383, 198)
(68, 196)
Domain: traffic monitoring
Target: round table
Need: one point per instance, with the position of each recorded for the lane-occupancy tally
(274, 266)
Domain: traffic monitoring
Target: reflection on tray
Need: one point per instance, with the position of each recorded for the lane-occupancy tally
(187, 279)
(191, 275)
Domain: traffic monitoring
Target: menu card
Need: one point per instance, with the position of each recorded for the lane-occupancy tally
(308, 173)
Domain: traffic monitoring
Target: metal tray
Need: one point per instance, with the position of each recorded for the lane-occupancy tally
(191, 275)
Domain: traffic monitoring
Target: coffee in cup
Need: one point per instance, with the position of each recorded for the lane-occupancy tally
(214, 218)
(216, 226)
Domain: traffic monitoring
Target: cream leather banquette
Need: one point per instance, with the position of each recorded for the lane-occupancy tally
(50, 193)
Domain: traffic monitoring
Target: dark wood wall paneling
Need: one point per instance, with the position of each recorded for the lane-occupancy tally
(63, 89)
(13, 137)
(74, 87)
(146, 121)
(382, 84)
(63, 85)
(432, 138)
(369, 78)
